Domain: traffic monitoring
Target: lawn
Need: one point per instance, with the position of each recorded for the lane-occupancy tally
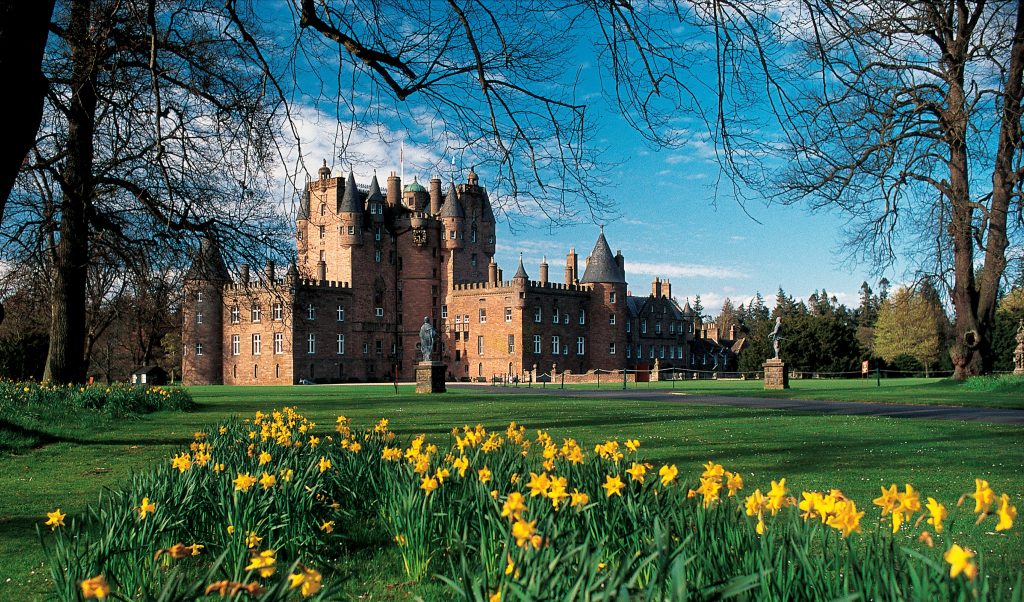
(1006, 392)
(856, 454)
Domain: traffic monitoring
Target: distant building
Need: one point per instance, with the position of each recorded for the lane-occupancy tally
(370, 266)
(149, 375)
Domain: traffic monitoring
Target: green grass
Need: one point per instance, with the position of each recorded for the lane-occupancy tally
(856, 454)
(990, 392)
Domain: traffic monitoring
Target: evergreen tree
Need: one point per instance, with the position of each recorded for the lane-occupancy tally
(698, 308)
(727, 318)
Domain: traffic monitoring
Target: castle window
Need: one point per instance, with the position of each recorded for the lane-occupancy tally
(679, 351)
(391, 258)
(555, 345)
(472, 234)
(376, 255)
(511, 343)
(611, 297)
(199, 296)
(565, 318)
(554, 316)
(311, 343)
(236, 346)
(299, 233)
(199, 348)
(611, 319)
(472, 260)
(199, 317)
(581, 345)
(341, 313)
(444, 312)
(689, 327)
(629, 324)
(376, 233)
(378, 347)
(537, 314)
(508, 314)
(661, 352)
(379, 311)
(458, 355)
(278, 343)
(611, 349)
(643, 326)
(479, 345)
(629, 351)
(671, 327)
(483, 315)
(275, 312)
(351, 230)
(257, 314)
(323, 231)
(536, 344)
(480, 370)
(255, 372)
(452, 236)
(671, 352)
(366, 348)
(323, 209)
(650, 353)
(256, 344)
(235, 314)
(657, 328)
(311, 312)
(277, 370)
(323, 256)
(583, 317)
(490, 239)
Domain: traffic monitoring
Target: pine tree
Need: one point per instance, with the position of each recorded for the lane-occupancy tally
(698, 308)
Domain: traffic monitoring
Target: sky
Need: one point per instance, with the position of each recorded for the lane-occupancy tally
(671, 223)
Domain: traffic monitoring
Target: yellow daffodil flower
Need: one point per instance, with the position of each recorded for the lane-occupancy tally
(55, 519)
(713, 471)
(182, 462)
(734, 482)
(937, 514)
(1006, 512)
(959, 560)
(484, 474)
(324, 464)
(636, 472)
(268, 480)
(538, 484)
(252, 540)
(632, 445)
(461, 464)
(889, 499)
(667, 474)
(777, 496)
(95, 587)
(613, 485)
(265, 563)
(145, 508)
(983, 496)
(429, 484)
(244, 481)
(514, 506)
(526, 533)
(307, 580)
(327, 526)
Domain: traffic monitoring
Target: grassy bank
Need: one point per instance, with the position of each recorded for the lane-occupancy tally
(856, 454)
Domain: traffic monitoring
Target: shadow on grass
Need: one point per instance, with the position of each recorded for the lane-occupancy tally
(11, 433)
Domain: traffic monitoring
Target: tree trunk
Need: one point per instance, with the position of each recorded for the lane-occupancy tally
(65, 362)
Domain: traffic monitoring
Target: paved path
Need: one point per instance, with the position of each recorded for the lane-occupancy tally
(851, 408)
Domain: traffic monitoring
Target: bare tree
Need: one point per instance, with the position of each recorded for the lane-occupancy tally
(904, 115)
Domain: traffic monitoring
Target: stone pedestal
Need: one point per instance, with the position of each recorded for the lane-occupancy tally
(775, 374)
(1018, 353)
(430, 377)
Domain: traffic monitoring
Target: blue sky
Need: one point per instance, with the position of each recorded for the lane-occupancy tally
(672, 221)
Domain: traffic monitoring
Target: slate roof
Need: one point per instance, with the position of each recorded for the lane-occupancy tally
(602, 266)
(208, 263)
(374, 195)
(521, 272)
(486, 213)
(304, 204)
(452, 207)
(349, 202)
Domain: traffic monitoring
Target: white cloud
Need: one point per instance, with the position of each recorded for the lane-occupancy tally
(680, 270)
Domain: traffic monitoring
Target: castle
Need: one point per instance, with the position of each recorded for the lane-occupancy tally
(370, 266)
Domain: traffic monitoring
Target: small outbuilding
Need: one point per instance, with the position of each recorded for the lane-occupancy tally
(149, 375)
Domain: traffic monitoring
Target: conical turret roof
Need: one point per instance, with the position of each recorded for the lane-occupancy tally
(374, 194)
(304, 204)
(602, 266)
(208, 263)
(687, 310)
(486, 213)
(350, 198)
(452, 207)
(521, 272)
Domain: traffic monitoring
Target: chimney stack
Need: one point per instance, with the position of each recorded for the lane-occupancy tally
(656, 288)
(435, 195)
(321, 270)
(244, 273)
(544, 271)
(668, 288)
(571, 266)
(270, 271)
(492, 273)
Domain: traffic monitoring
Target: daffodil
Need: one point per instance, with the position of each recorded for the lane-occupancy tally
(252, 540)
(182, 462)
(307, 580)
(145, 508)
(461, 464)
(324, 464)
(1006, 512)
(327, 526)
(889, 500)
(959, 560)
(265, 458)
(538, 484)
(55, 519)
(514, 506)
(265, 563)
(713, 471)
(846, 518)
(613, 485)
(632, 445)
(429, 484)
(983, 496)
(268, 480)
(525, 532)
(733, 482)
(95, 587)
(484, 474)
(667, 474)
(777, 496)
(578, 498)
(244, 481)
(636, 472)
(937, 514)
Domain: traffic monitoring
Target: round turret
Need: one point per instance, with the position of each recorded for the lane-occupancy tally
(415, 196)
(453, 219)
(324, 172)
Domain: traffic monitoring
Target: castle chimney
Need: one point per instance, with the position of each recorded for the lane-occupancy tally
(732, 332)
(668, 288)
(270, 271)
(621, 262)
(544, 271)
(656, 288)
(394, 190)
(500, 279)
(571, 265)
(244, 273)
(321, 270)
(492, 273)
(435, 196)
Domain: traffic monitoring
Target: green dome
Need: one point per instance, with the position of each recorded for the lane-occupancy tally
(414, 187)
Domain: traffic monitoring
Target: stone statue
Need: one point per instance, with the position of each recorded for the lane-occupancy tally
(775, 336)
(427, 337)
(1018, 353)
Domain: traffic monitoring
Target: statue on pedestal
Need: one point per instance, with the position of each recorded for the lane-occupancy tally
(775, 336)
(427, 336)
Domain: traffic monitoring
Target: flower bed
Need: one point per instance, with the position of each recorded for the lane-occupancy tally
(262, 508)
